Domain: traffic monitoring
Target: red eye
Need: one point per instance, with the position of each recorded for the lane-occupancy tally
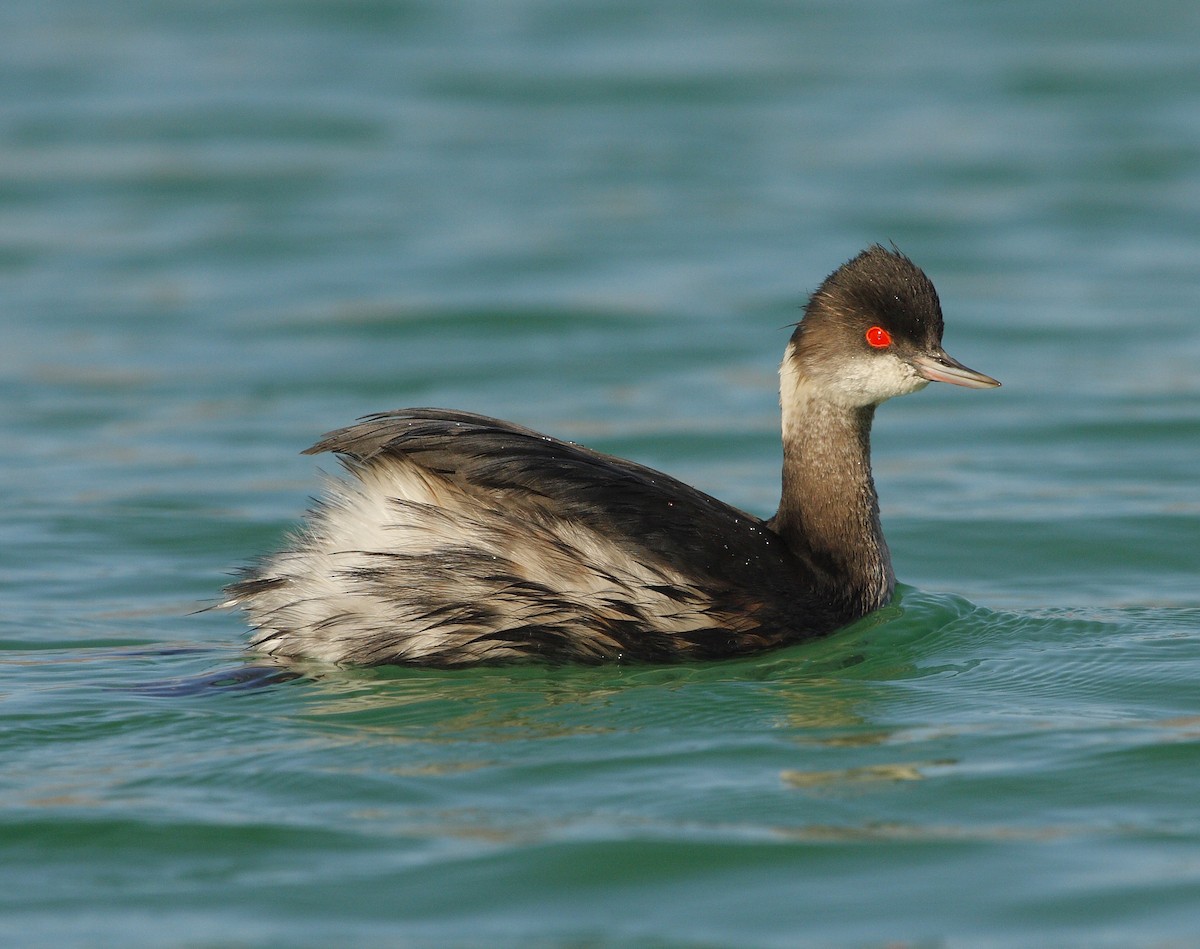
(878, 337)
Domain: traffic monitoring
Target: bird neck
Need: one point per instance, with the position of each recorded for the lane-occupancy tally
(828, 509)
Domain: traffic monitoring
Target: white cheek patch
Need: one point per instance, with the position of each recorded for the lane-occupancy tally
(855, 382)
(869, 380)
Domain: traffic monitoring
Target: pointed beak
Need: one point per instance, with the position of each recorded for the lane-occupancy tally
(938, 366)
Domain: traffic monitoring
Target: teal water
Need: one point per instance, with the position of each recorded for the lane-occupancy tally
(228, 228)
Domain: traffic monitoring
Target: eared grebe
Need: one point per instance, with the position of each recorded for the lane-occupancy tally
(462, 539)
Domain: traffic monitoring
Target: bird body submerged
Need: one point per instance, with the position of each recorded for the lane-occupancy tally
(461, 539)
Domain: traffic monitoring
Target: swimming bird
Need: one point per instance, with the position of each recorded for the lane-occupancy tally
(459, 539)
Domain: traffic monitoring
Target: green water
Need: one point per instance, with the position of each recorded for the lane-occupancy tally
(228, 228)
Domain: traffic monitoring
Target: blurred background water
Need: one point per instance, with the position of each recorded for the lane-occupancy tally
(227, 227)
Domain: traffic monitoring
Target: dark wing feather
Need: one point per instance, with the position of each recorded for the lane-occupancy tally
(659, 517)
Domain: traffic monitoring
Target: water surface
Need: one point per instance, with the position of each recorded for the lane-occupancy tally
(227, 229)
